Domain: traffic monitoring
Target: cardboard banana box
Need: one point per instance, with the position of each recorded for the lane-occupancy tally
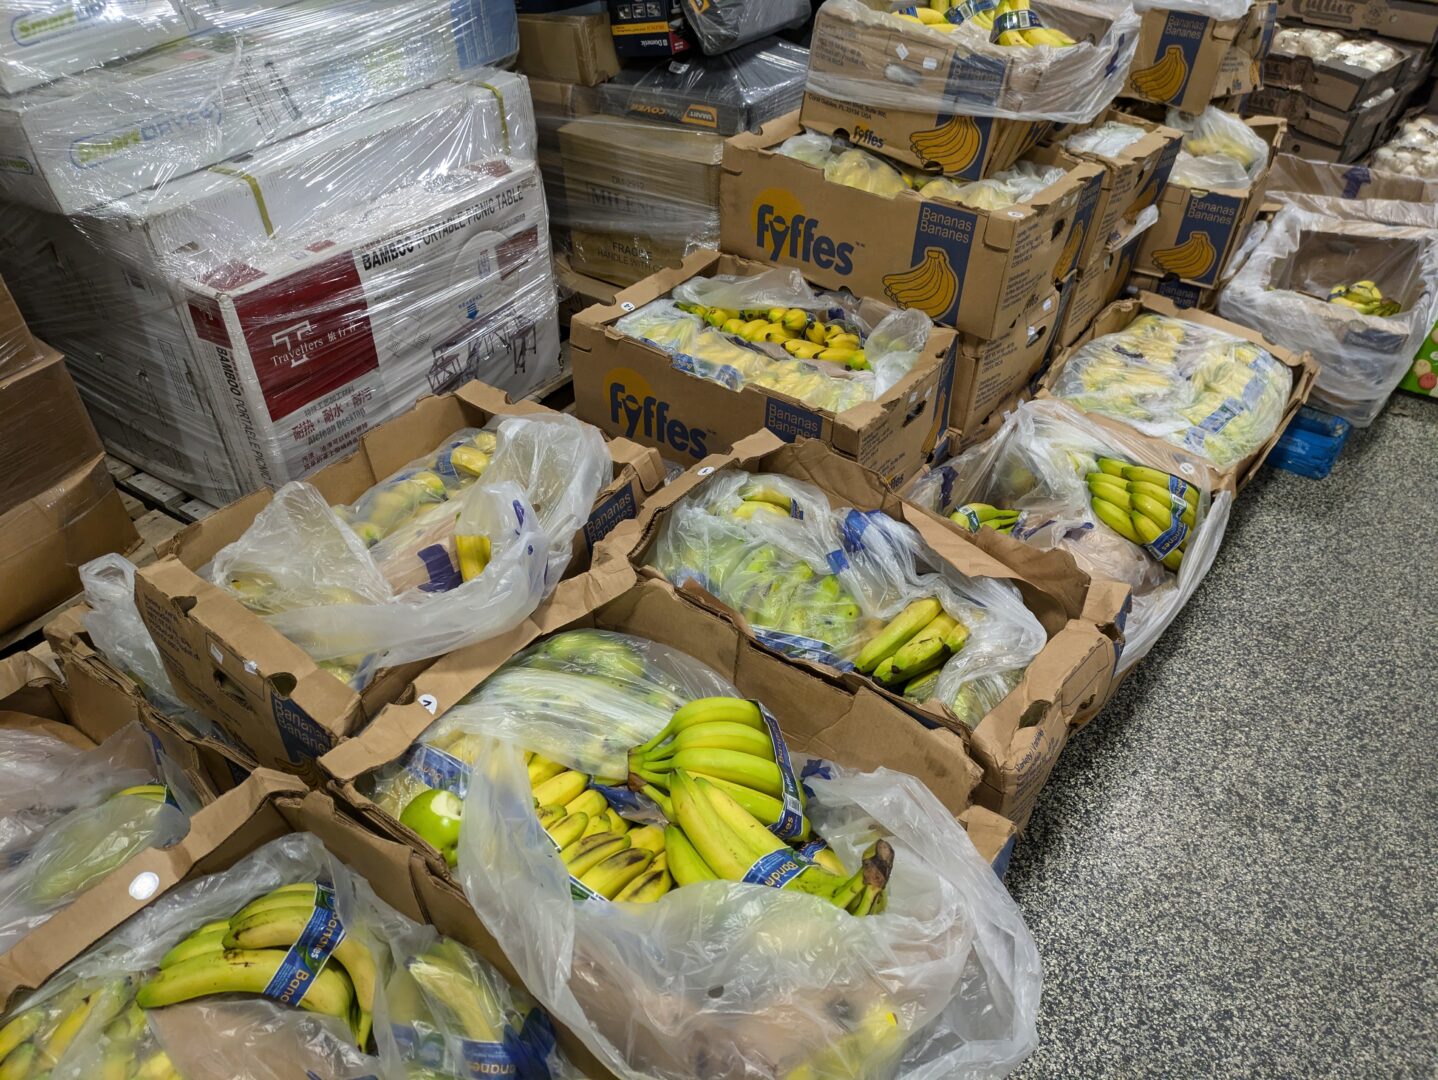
(859, 730)
(992, 264)
(1331, 81)
(266, 693)
(631, 389)
(1199, 231)
(98, 688)
(1134, 179)
(266, 807)
(1018, 742)
(1406, 20)
(1186, 60)
(1094, 287)
(1116, 316)
(988, 373)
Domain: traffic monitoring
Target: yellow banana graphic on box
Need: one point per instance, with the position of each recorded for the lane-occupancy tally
(1163, 80)
(931, 285)
(1190, 259)
(952, 145)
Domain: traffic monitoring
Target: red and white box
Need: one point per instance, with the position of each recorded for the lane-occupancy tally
(303, 350)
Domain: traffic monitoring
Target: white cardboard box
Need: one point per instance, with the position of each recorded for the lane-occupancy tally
(425, 288)
(43, 40)
(111, 131)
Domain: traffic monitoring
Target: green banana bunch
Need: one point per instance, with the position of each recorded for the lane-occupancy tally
(93, 1013)
(712, 837)
(244, 954)
(1152, 509)
(976, 515)
(87, 844)
(917, 640)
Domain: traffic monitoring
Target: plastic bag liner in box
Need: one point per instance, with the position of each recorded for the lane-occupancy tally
(616, 689)
(71, 816)
(436, 1006)
(1219, 150)
(720, 25)
(306, 569)
(724, 978)
(1070, 85)
(739, 91)
(1215, 395)
(121, 637)
(891, 348)
(1281, 290)
(818, 582)
(1036, 463)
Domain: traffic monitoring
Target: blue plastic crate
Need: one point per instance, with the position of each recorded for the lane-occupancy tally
(1311, 443)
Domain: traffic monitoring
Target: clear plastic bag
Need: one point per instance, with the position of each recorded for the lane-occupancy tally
(1219, 150)
(1070, 84)
(885, 352)
(817, 582)
(120, 635)
(722, 978)
(1281, 291)
(721, 25)
(1213, 394)
(1108, 139)
(72, 817)
(309, 573)
(1009, 187)
(1036, 463)
(581, 697)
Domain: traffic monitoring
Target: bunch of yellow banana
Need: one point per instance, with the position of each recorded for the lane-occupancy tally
(35, 1042)
(730, 743)
(803, 334)
(396, 501)
(916, 641)
(927, 15)
(605, 855)
(1015, 24)
(446, 985)
(712, 837)
(272, 935)
(976, 515)
(1152, 509)
(1364, 297)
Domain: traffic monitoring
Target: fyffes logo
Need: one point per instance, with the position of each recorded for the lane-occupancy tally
(783, 230)
(643, 416)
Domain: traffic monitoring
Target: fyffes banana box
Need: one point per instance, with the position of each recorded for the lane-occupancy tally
(1186, 59)
(632, 389)
(969, 267)
(279, 707)
(1198, 231)
(1018, 740)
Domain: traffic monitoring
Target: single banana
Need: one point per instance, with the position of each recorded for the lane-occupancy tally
(899, 629)
(760, 774)
(1116, 519)
(705, 710)
(610, 875)
(685, 863)
(242, 972)
(591, 851)
(647, 887)
(589, 801)
(569, 830)
(564, 788)
(542, 769)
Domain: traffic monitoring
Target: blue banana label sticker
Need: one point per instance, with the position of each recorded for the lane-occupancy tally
(425, 1049)
(810, 851)
(484, 1059)
(310, 952)
(801, 647)
(791, 821)
(775, 869)
(433, 768)
(1180, 488)
(1170, 539)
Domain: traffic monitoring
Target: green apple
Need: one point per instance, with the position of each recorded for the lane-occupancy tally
(436, 816)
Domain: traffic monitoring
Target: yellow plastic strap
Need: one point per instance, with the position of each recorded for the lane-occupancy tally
(254, 186)
(503, 116)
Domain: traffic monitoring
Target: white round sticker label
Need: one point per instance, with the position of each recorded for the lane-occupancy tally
(706, 470)
(430, 702)
(145, 885)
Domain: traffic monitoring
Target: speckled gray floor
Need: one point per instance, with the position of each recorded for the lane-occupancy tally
(1234, 870)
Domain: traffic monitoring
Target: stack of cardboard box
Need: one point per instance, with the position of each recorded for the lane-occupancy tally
(1339, 107)
(235, 321)
(58, 505)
